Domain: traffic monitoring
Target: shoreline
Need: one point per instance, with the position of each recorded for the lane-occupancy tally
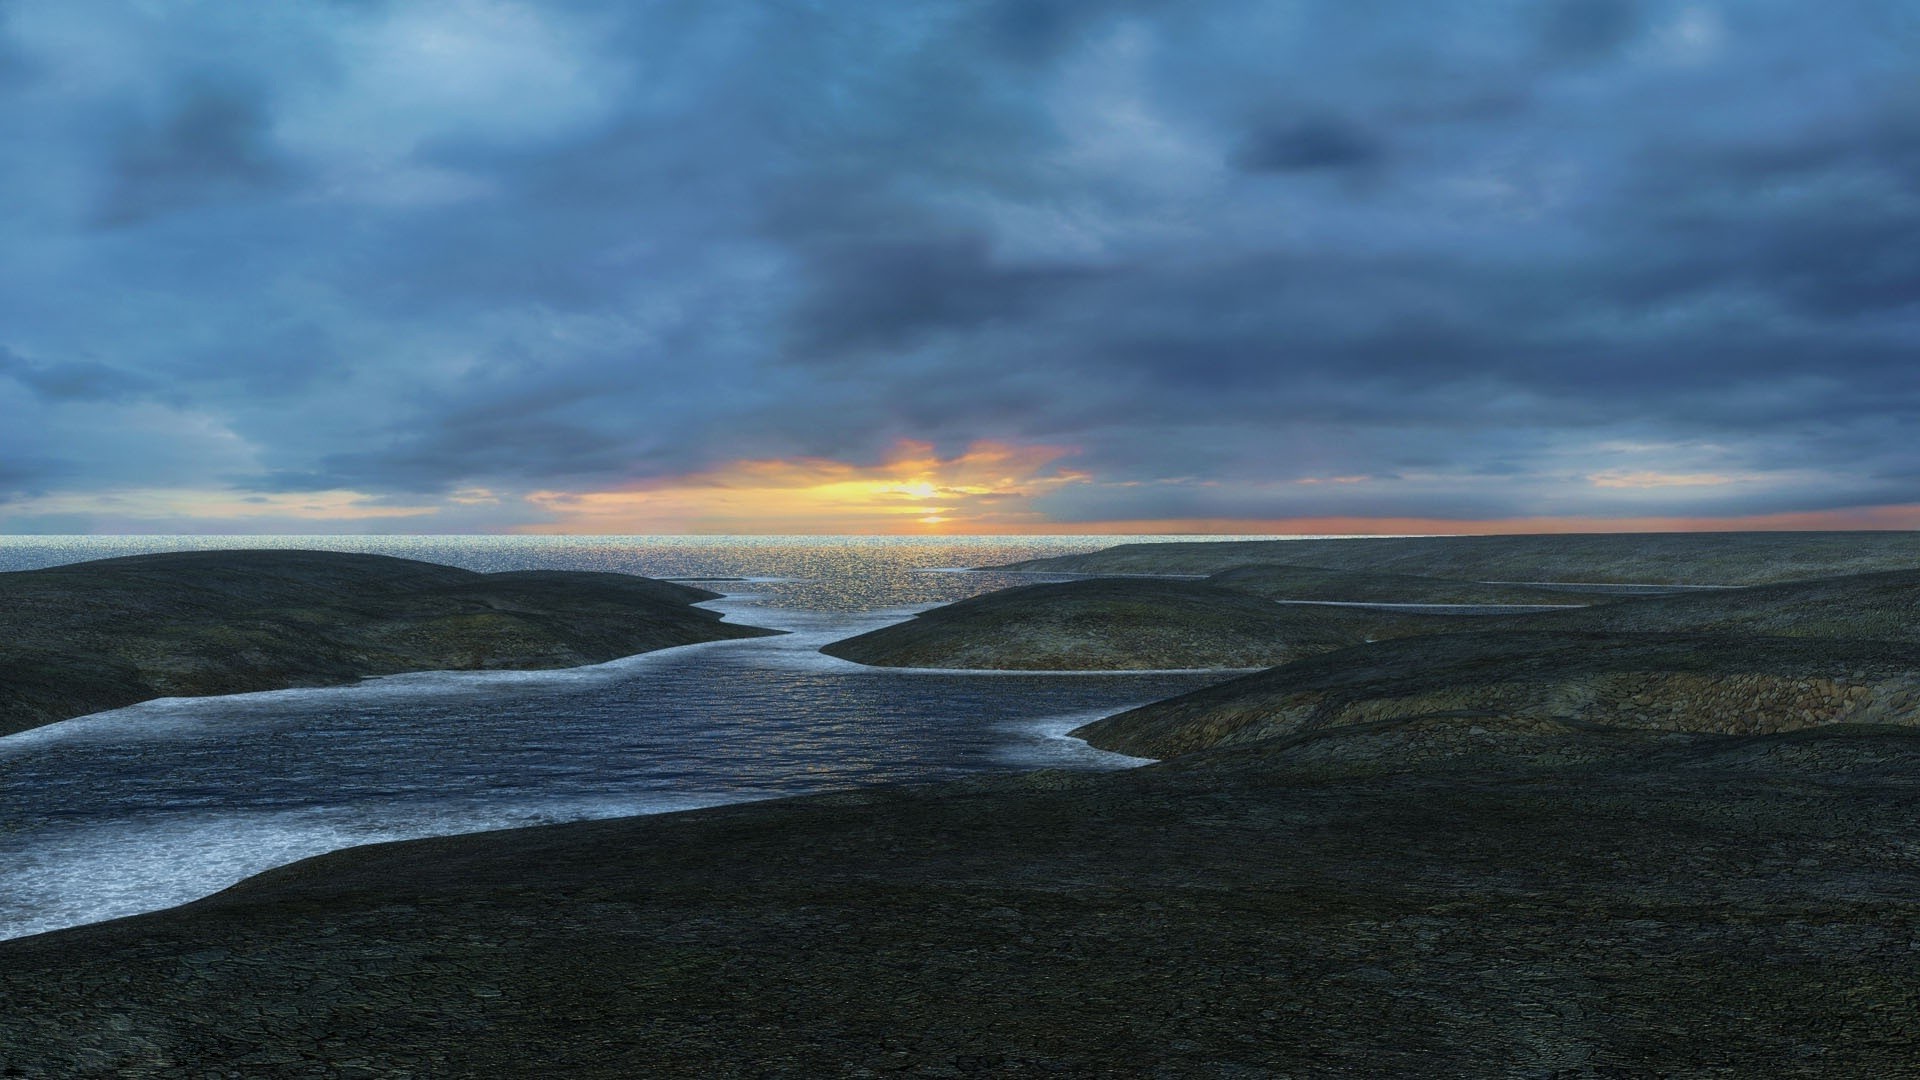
(1039, 732)
(1203, 916)
(89, 637)
(1357, 863)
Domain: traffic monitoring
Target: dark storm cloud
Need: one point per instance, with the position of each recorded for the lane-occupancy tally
(212, 144)
(27, 476)
(73, 381)
(1478, 253)
(1314, 143)
(882, 294)
(1587, 29)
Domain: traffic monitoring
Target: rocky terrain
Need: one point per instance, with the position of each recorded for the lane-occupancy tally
(1318, 583)
(1677, 682)
(1432, 897)
(1763, 659)
(1665, 558)
(1877, 606)
(1659, 836)
(1121, 624)
(99, 635)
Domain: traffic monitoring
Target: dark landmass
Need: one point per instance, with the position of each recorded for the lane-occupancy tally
(1762, 659)
(1647, 558)
(1679, 682)
(1120, 624)
(1660, 836)
(1420, 898)
(100, 635)
(1285, 582)
(1879, 606)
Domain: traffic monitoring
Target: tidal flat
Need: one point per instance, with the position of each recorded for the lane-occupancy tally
(1659, 835)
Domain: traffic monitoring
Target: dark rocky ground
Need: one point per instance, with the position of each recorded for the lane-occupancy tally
(1660, 837)
(1287, 582)
(99, 635)
(1393, 900)
(1762, 659)
(1120, 624)
(1882, 606)
(1674, 682)
(1670, 558)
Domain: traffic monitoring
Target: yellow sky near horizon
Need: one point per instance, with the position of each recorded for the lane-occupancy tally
(987, 488)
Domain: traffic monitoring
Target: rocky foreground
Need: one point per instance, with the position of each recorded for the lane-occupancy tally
(1659, 836)
(100, 635)
(1412, 899)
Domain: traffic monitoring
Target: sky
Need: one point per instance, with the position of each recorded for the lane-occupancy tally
(958, 266)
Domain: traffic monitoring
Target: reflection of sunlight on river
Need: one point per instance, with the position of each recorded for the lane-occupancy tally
(167, 801)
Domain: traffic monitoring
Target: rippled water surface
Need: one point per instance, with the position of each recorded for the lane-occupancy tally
(167, 801)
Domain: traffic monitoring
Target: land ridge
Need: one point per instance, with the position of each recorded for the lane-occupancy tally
(84, 637)
(1119, 624)
(1600, 558)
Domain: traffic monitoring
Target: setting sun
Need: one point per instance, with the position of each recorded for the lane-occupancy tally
(987, 487)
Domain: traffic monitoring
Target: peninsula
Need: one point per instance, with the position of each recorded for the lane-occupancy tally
(84, 637)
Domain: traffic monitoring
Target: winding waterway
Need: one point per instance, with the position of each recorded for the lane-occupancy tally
(170, 800)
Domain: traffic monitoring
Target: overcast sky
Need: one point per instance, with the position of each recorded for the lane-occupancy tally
(1040, 265)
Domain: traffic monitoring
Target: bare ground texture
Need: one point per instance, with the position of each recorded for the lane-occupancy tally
(1660, 836)
(99, 635)
(1317, 583)
(1646, 558)
(1768, 658)
(1120, 624)
(1540, 902)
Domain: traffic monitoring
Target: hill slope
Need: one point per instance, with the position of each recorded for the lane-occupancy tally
(1761, 659)
(1286, 582)
(1117, 624)
(1665, 558)
(99, 635)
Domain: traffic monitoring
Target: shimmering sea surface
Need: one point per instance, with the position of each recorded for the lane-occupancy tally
(170, 800)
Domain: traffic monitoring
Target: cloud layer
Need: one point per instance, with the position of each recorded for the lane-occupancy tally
(493, 265)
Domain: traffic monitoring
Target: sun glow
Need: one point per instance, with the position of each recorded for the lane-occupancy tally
(988, 488)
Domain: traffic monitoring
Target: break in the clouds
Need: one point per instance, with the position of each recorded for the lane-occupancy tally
(960, 265)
